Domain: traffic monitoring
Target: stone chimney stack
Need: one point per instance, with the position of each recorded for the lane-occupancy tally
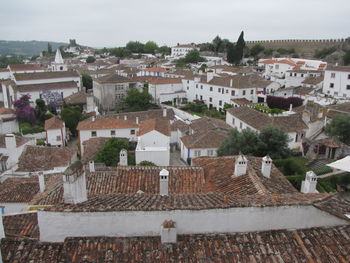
(164, 182)
(41, 182)
(123, 157)
(92, 166)
(168, 232)
(10, 142)
(266, 166)
(137, 120)
(240, 165)
(308, 186)
(74, 184)
(210, 75)
(164, 113)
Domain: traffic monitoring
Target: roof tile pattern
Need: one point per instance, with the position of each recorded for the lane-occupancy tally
(19, 190)
(21, 225)
(162, 126)
(53, 123)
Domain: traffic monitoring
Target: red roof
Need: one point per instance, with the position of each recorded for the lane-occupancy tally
(162, 126)
(157, 69)
(24, 67)
(53, 123)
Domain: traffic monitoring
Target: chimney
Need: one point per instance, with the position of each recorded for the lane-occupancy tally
(93, 118)
(164, 113)
(125, 117)
(308, 186)
(168, 232)
(290, 107)
(240, 165)
(164, 182)
(2, 232)
(74, 184)
(41, 182)
(92, 166)
(123, 157)
(210, 75)
(266, 166)
(137, 120)
(10, 142)
(231, 82)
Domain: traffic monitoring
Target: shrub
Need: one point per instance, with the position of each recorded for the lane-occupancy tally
(27, 128)
(147, 163)
(290, 166)
(40, 142)
(283, 103)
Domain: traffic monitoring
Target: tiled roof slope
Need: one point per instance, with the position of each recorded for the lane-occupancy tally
(76, 98)
(162, 126)
(113, 78)
(204, 139)
(129, 180)
(218, 177)
(338, 205)
(46, 75)
(47, 86)
(21, 225)
(19, 140)
(100, 124)
(178, 124)
(240, 81)
(149, 202)
(92, 147)
(306, 245)
(53, 123)
(19, 190)
(207, 123)
(142, 115)
(24, 67)
(43, 158)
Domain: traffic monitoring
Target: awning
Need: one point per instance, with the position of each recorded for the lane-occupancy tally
(342, 164)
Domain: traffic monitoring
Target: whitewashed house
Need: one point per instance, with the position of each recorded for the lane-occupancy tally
(337, 82)
(167, 89)
(8, 121)
(182, 50)
(153, 143)
(56, 134)
(296, 77)
(153, 72)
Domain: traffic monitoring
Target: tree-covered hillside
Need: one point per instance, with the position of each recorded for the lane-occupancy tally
(26, 48)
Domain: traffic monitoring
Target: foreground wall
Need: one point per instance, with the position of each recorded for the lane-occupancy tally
(56, 226)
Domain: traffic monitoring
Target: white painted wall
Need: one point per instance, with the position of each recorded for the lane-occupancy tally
(56, 226)
(166, 92)
(157, 155)
(11, 208)
(9, 126)
(340, 81)
(53, 134)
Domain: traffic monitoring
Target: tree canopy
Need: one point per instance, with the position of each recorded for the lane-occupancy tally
(137, 101)
(24, 112)
(90, 59)
(339, 127)
(235, 52)
(109, 154)
(71, 115)
(87, 81)
(191, 57)
(270, 141)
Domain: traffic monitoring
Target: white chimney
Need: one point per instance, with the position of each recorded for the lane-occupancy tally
(309, 185)
(164, 113)
(92, 166)
(210, 75)
(168, 232)
(125, 117)
(290, 107)
(2, 232)
(90, 106)
(231, 82)
(266, 166)
(93, 118)
(123, 157)
(74, 184)
(10, 142)
(164, 182)
(241, 164)
(137, 120)
(41, 182)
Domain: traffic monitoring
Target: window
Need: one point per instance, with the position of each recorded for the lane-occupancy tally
(196, 96)
(188, 81)
(132, 132)
(196, 86)
(233, 121)
(211, 88)
(58, 138)
(241, 125)
(201, 97)
(232, 93)
(252, 91)
(188, 88)
(302, 75)
(201, 86)
(243, 92)
(93, 134)
(348, 76)
(210, 99)
(348, 87)
(112, 132)
(226, 91)
(197, 153)
(219, 90)
(331, 85)
(291, 74)
(295, 74)
(210, 152)
(332, 75)
(220, 102)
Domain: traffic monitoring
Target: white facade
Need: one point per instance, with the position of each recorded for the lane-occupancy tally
(337, 83)
(56, 226)
(182, 50)
(295, 78)
(11, 208)
(196, 152)
(167, 92)
(56, 137)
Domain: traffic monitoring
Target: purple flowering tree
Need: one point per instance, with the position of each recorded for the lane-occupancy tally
(24, 112)
(53, 99)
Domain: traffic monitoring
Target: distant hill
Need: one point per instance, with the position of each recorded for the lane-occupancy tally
(26, 48)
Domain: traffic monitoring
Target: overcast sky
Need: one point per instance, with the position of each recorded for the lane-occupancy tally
(100, 23)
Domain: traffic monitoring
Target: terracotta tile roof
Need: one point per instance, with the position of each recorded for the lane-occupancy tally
(286, 61)
(46, 75)
(338, 205)
(218, 177)
(239, 81)
(24, 67)
(54, 123)
(242, 101)
(178, 124)
(112, 78)
(160, 81)
(343, 108)
(162, 126)
(155, 69)
(100, 124)
(313, 80)
(92, 147)
(204, 139)
(268, 61)
(21, 225)
(76, 98)
(329, 142)
(4, 111)
(142, 115)
(207, 123)
(44, 158)
(19, 190)
(47, 86)
(129, 180)
(19, 140)
(259, 120)
(327, 244)
(151, 202)
(338, 68)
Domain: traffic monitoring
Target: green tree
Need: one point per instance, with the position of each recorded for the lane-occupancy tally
(235, 52)
(346, 58)
(256, 49)
(40, 109)
(49, 48)
(339, 127)
(217, 42)
(71, 115)
(138, 101)
(146, 163)
(150, 47)
(191, 57)
(274, 142)
(135, 46)
(109, 154)
(87, 81)
(165, 50)
(90, 59)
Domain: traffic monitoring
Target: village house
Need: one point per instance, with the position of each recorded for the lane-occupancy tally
(337, 81)
(167, 90)
(181, 50)
(56, 132)
(8, 121)
(153, 72)
(83, 100)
